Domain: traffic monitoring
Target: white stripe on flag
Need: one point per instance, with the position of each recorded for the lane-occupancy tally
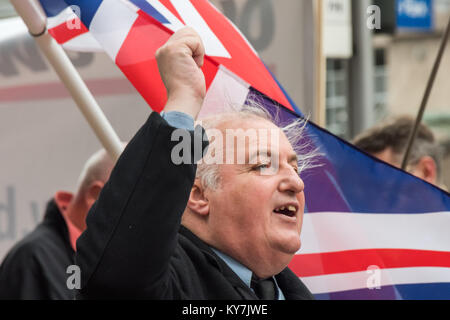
(226, 90)
(111, 24)
(83, 43)
(339, 231)
(238, 31)
(213, 46)
(62, 17)
(376, 278)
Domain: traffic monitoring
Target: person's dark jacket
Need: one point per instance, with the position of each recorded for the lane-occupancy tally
(134, 246)
(35, 268)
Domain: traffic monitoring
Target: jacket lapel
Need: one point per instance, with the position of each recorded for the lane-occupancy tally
(241, 288)
(293, 288)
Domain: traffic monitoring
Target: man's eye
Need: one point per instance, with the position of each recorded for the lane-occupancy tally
(261, 166)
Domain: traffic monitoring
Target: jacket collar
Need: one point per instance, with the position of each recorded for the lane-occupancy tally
(289, 283)
(54, 217)
(221, 265)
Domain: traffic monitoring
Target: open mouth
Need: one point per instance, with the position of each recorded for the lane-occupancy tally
(288, 210)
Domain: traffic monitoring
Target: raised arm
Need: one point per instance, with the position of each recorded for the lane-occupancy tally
(179, 63)
(132, 228)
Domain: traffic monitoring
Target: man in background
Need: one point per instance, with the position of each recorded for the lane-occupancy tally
(389, 140)
(35, 268)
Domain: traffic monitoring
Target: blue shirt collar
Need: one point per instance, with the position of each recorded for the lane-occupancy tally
(242, 271)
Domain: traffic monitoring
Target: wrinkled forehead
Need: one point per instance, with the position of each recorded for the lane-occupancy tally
(250, 137)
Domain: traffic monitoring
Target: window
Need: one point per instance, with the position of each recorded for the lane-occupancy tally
(338, 90)
(380, 85)
(337, 97)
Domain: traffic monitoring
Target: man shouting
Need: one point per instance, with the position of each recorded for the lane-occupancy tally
(162, 229)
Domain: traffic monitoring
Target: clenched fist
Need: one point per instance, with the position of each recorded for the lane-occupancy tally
(179, 62)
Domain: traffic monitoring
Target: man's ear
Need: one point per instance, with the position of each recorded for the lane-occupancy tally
(426, 169)
(198, 202)
(93, 192)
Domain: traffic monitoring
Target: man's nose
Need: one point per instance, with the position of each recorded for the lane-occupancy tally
(291, 181)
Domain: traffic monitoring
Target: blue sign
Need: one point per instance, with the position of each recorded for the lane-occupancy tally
(415, 14)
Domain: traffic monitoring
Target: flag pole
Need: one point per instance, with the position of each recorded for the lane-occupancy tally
(35, 19)
(426, 95)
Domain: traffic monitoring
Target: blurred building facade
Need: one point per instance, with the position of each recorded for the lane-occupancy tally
(407, 57)
(6, 9)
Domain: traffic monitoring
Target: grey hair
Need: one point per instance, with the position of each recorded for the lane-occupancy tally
(295, 132)
(97, 168)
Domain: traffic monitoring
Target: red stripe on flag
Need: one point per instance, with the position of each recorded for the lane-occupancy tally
(137, 61)
(244, 62)
(168, 4)
(62, 33)
(315, 264)
(209, 69)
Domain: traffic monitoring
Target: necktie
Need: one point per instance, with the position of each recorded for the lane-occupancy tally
(264, 288)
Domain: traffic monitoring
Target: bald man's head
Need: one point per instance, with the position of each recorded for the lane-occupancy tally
(94, 175)
(97, 168)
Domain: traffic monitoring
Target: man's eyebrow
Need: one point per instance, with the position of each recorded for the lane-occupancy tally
(254, 155)
(257, 153)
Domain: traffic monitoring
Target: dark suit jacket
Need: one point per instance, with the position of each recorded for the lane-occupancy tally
(35, 268)
(134, 246)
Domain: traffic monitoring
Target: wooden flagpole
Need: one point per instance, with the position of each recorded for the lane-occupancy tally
(35, 19)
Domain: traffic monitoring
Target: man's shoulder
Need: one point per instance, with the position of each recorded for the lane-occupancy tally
(193, 247)
(32, 245)
(188, 250)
